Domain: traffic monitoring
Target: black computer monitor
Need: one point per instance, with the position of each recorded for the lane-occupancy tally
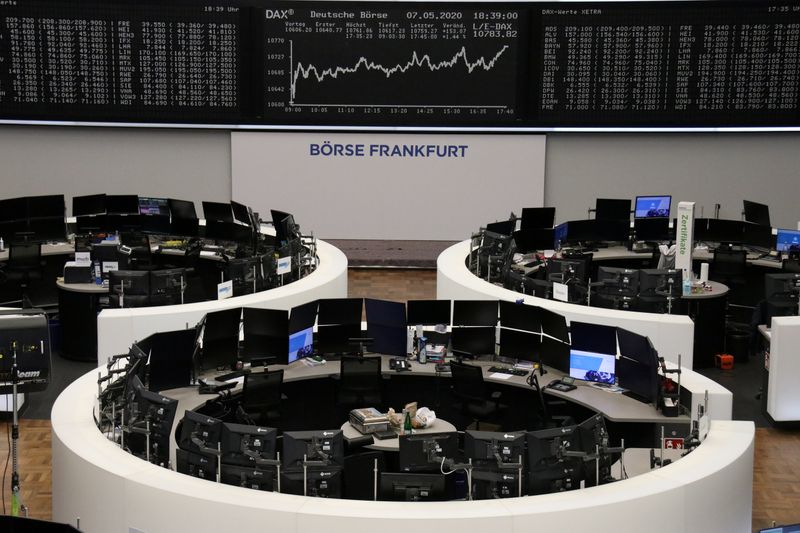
(285, 228)
(266, 335)
(554, 325)
(520, 316)
(636, 347)
(520, 345)
(503, 227)
(199, 433)
(612, 209)
(555, 354)
(718, 230)
(183, 219)
(781, 285)
(494, 447)
(261, 478)
(593, 337)
(243, 272)
(48, 229)
(425, 451)
(756, 213)
(758, 236)
(652, 206)
(122, 204)
(303, 316)
(318, 481)
(166, 286)
(428, 312)
(301, 344)
(612, 230)
(93, 204)
(246, 445)
(792, 528)
(412, 487)
(652, 229)
(326, 446)
(340, 311)
(594, 438)
(653, 281)
(151, 206)
(640, 380)
(386, 325)
(170, 355)
(241, 213)
(537, 217)
(475, 312)
(221, 339)
(385, 312)
(788, 241)
(197, 465)
(336, 339)
(618, 281)
(217, 211)
(549, 469)
(157, 413)
(565, 270)
(592, 366)
(532, 240)
(51, 205)
(472, 341)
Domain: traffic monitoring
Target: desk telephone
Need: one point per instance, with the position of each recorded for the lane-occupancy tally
(399, 365)
(564, 384)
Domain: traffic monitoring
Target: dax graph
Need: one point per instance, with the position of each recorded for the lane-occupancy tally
(392, 66)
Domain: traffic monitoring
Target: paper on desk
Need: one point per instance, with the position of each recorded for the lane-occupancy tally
(239, 380)
(501, 375)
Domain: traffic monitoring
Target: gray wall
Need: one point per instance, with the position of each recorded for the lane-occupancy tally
(186, 164)
(196, 165)
(705, 168)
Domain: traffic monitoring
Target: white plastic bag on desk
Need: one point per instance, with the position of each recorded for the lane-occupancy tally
(425, 417)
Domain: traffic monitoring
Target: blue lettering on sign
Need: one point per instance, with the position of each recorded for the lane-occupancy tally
(329, 149)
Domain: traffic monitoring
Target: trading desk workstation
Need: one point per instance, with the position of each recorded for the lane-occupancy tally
(126, 427)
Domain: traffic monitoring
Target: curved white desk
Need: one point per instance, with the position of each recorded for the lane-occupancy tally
(117, 329)
(112, 491)
(671, 334)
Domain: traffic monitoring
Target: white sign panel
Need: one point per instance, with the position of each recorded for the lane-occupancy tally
(109, 266)
(225, 289)
(684, 232)
(560, 292)
(83, 258)
(284, 266)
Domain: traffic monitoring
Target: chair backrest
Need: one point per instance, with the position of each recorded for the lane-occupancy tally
(262, 390)
(25, 255)
(729, 262)
(467, 381)
(359, 472)
(360, 373)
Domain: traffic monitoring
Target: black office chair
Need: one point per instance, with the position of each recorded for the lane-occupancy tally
(261, 398)
(471, 394)
(360, 383)
(359, 475)
(24, 265)
(728, 266)
(141, 255)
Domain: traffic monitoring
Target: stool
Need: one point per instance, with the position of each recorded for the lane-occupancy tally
(724, 361)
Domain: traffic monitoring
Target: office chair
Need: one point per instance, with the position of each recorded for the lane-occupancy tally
(141, 255)
(360, 383)
(24, 265)
(194, 284)
(728, 266)
(261, 398)
(471, 394)
(359, 474)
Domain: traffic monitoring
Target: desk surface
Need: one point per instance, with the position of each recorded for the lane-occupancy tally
(716, 290)
(393, 445)
(89, 288)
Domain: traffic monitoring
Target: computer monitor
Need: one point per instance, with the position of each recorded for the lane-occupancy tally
(303, 316)
(13, 209)
(475, 312)
(246, 445)
(494, 447)
(640, 380)
(340, 311)
(301, 344)
(549, 468)
(166, 286)
(318, 481)
(51, 205)
(93, 204)
(151, 206)
(157, 413)
(532, 240)
(612, 209)
(781, 285)
(520, 316)
(574, 232)
(758, 236)
(718, 230)
(652, 229)
(492, 484)
(555, 354)
(262, 478)
(386, 325)
(241, 213)
(217, 211)
(412, 487)
(592, 366)
(595, 438)
(537, 217)
(199, 433)
(48, 229)
(788, 241)
(122, 204)
(428, 312)
(243, 272)
(652, 206)
(335, 339)
(612, 230)
(425, 451)
(266, 335)
(756, 213)
(504, 227)
(196, 465)
(520, 345)
(653, 281)
(472, 341)
(326, 446)
(593, 337)
(554, 325)
(183, 219)
(618, 281)
(285, 227)
(568, 270)
(636, 347)
(221, 339)
(170, 362)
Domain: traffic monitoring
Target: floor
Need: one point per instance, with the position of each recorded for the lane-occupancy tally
(776, 489)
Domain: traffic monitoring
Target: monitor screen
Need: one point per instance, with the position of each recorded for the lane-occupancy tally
(538, 217)
(241, 213)
(14, 209)
(247, 445)
(612, 230)
(285, 227)
(793, 528)
(555, 354)
(652, 229)
(412, 487)
(428, 312)
(48, 229)
(759, 236)
(182, 209)
(504, 227)
(303, 317)
(385, 313)
(788, 240)
(473, 341)
(262, 478)
(591, 366)
(153, 206)
(593, 337)
(199, 433)
(51, 205)
(756, 213)
(719, 230)
(301, 344)
(266, 335)
(218, 211)
(94, 204)
(519, 344)
(340, 311)
(424, 451)
(170, 358)
(554, 325)
(612, 209)
(548, 468)
(333, 339)
(520, 316)
(322, 445)
(652, 206)
(636, 347)
(641, 380)
(531, 240)
(491, 445)
(122, 204)
(475, 312)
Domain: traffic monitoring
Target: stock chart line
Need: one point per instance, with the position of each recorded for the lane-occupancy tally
(416, 61)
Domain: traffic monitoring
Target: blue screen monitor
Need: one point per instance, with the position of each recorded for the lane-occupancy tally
(301, 344)
(788, 241)
(652, 206)
(591, 366)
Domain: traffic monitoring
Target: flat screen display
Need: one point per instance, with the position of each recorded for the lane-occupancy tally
(652, 206)
(788, 241)
(591, 366)
(301, 344)
(153, 206)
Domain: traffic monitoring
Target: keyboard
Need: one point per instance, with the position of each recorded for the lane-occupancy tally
(506, 370)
